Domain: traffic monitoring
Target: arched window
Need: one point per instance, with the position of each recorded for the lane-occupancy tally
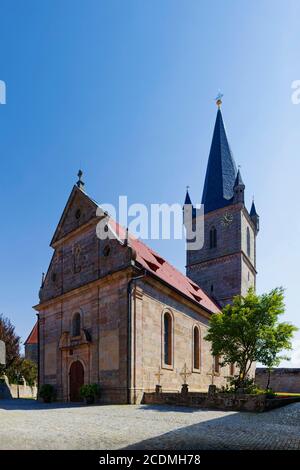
(231, 369)
(76, 325)
(196, 348)
(167, 339)
(213, 237)
(217, 364)
(248, 242)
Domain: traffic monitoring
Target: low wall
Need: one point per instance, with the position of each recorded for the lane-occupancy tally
(218, 401)
(14, 391)
(282, 379)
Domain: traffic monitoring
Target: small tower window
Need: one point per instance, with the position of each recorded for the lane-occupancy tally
(248, 242)
(213, 237)
(76, 324)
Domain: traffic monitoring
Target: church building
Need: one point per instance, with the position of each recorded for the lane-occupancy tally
(116, 313)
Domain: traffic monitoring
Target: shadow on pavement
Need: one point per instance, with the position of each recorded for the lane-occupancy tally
(277, 429)
(31, 404)
(173, 409)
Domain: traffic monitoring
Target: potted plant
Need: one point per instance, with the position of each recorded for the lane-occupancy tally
(89, 392)
(47, 393)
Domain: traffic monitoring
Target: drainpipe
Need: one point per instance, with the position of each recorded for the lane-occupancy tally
(129, 332)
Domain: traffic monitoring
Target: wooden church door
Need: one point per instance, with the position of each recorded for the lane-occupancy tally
(76, 380)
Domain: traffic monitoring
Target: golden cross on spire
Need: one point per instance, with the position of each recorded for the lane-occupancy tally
(158, 375)
(185, 373)
(219, 99)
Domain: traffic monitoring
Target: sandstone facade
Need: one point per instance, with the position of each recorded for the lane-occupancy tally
(121, 339)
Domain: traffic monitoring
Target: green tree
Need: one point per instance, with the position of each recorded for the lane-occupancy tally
(11, 340)
(21, 369)
(29, 371)
(248, 331)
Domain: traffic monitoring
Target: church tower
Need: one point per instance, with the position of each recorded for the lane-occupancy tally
(226, 264)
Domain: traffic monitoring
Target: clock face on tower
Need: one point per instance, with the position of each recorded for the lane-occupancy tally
(226, 219)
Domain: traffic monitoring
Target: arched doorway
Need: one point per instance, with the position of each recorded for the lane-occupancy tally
(76, 380)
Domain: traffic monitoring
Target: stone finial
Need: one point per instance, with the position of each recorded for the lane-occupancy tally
(80, 183)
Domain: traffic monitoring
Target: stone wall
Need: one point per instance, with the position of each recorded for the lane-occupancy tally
(218, 401)
(14, 391)
(282, 379)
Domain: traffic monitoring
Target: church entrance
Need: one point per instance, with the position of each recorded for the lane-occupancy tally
(76, 380)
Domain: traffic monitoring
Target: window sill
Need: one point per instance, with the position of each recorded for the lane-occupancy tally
(167, 367)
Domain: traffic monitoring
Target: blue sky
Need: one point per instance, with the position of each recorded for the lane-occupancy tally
(125, 89)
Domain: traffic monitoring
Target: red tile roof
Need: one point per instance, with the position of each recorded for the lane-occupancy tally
(154, 263)
(33, 337)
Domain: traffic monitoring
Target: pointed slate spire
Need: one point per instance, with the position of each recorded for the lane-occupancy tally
(238, 179)
(187, 197)
(221, 169)
(188, 211)
(254, 216)
(253, 210)
(238, 189)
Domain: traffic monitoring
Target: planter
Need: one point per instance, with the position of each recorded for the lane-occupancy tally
(89, 392)
(47, 393)
(47, 400)
(89, 400)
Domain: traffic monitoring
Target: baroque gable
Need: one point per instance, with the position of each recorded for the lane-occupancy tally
(79, 210)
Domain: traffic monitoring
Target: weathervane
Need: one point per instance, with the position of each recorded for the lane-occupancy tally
(219, 99)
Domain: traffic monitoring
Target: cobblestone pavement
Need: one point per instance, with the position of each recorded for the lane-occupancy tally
(26, 424)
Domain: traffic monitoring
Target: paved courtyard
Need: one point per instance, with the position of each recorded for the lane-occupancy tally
(26, 424)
